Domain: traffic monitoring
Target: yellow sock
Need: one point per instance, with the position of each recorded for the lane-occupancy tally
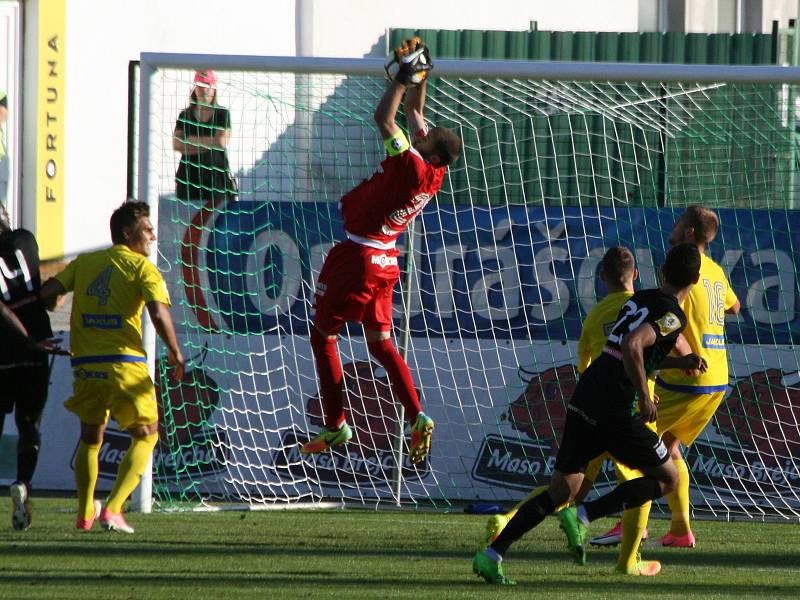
(130, 471)
(510, 514)
(679, 501)
(86, 469)
(634, 522)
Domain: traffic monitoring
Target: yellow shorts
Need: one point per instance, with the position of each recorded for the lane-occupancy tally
(123, 389)
(685, 415)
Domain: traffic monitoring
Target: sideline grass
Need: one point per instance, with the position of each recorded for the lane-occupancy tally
(365, 554)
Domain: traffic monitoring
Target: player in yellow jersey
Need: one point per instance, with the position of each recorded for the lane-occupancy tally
(618, 272)
(109, 363)
(601, 418)
(687, 403)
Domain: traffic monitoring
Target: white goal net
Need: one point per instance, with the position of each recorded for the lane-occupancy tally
(560, 162)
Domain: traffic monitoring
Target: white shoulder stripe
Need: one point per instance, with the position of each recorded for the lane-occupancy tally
(416, 153)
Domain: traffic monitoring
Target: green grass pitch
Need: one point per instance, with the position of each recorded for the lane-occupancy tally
(367, 554)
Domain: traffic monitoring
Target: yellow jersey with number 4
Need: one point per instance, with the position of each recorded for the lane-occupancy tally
(705, 308)
(111, 287)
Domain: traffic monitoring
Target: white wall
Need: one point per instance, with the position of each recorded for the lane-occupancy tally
(366, 20)
(10, 49)
(104, 35)
(777, 10)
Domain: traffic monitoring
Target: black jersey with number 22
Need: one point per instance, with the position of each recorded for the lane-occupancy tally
(606, 376)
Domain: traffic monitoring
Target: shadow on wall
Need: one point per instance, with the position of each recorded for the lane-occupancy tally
(331, 143)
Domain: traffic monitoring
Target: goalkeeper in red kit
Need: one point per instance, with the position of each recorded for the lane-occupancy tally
(359, 274)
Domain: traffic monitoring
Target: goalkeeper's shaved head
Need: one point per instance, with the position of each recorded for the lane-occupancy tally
(440, 146)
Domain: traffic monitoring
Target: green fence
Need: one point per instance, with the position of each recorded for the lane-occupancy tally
(556, 150)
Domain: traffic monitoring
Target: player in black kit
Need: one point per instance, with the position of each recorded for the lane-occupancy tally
(24, 368)
(601, 417)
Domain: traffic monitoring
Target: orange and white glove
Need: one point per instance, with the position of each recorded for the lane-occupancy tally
(413, 62)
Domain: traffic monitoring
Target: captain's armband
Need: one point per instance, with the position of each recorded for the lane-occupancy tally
(397, 144)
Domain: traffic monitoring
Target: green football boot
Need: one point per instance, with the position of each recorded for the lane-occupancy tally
(491, 571)
(326, 439)
(421, 431)
(576, 533)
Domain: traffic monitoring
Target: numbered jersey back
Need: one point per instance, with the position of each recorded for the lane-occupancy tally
(111, 287)
(659, 310)
(19, 279)
(705, 308)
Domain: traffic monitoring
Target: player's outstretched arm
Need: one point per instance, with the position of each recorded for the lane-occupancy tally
(413, 107)
(50, 292)
(12, 325)
(413, 64)
(386, 112)
(162, 321)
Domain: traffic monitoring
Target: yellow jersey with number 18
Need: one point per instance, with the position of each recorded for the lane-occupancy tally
(705, 307)
(111, 287)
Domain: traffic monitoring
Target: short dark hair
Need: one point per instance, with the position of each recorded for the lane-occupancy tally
(704, 221)
(682, 266)
(618, 264)
(127, 215)
(446, 144)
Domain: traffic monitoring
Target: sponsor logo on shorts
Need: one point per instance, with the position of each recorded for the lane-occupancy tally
(384, 261)
(87, 374)
(582, 414)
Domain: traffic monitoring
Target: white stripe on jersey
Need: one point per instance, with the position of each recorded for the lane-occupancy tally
(369, 242)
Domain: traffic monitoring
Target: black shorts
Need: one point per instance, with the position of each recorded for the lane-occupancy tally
(626, 438)
(25, 388)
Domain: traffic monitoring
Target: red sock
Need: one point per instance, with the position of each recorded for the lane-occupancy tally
(329, 371)
(399, 376)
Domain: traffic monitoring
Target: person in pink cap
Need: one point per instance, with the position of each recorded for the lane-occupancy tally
(201, 136)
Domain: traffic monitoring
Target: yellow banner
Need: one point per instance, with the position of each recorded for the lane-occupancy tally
(51, 48)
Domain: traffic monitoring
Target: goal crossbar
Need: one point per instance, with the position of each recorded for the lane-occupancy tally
(506, 69)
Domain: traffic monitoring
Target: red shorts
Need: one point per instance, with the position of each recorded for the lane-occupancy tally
(356, 284)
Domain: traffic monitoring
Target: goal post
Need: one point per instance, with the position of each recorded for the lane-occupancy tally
(560, 161)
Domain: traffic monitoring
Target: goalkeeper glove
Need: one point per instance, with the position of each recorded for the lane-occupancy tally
(413, 62)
